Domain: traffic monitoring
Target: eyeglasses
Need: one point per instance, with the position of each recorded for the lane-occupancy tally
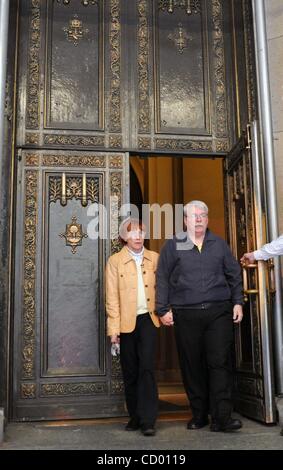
(197, 216)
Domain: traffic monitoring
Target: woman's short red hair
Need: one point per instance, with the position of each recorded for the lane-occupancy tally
(127, 226)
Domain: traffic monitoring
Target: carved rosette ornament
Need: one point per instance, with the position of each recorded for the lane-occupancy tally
(117, 387)
(116, 161)
(144, 143)
(32, 160)
(28, 390)
(115, 141)
(32, 138)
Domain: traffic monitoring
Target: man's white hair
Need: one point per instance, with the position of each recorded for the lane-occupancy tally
(192, 204)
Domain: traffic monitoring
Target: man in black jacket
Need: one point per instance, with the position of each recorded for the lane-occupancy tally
(199, 290)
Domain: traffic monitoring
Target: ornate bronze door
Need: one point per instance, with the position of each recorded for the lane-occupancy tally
(253, 354)
(67, 210)
(91, 79)
(68, 100)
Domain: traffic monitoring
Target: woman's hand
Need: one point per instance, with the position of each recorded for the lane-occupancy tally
(115, 339)
(167, 319)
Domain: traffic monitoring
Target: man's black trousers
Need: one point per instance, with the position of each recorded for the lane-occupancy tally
(204, 341)
(138, 362)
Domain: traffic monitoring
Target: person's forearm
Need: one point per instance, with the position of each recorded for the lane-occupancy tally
(274, 248)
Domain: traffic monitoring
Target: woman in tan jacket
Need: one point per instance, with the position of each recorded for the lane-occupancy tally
(132, 322)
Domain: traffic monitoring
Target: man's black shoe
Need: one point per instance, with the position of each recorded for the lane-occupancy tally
(197, 423)
(133, 424)
(231, 425)
(148, 430)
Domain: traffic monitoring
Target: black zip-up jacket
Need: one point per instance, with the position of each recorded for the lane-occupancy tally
(186, 277)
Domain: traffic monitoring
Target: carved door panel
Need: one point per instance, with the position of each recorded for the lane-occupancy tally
(67, 210)
(253, 353)
(119, 74)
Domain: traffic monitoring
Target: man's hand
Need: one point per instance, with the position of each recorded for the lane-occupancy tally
(167, 319)
(248, 258)
(237, 313)
(115, 339)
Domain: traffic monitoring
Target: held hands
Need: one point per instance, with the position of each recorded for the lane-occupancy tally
(167, 319)
(237, 313)
(248, 258)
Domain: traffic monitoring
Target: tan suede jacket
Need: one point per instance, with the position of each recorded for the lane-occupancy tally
(121, 290)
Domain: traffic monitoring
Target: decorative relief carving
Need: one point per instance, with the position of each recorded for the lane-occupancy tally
(181, 38)
(219, 70)
(116, 198)
(117, 387)
(222, 146)
(115, 66)
(85, 3)
(28, 390)
(75, 30)
(115, 141)
(55, 189)
(8, 109)
(190, 6)
(97, 161)
(78, 140)
(116, 161)
(30, 221)
(176, 144)
(116, 370)
(73, 389)
(32, 160)
(73, 234)
(32, 139)
(250, 58)
(241, 229)
(33, 77)
(143, 68)
(74, 188)
(144, 143)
